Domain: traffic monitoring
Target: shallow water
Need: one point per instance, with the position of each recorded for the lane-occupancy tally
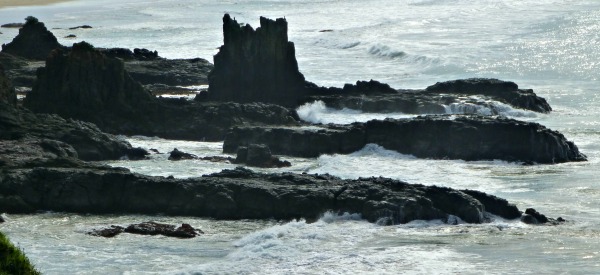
(550, 46)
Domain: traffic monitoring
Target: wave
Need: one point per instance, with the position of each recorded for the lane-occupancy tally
(385, 51)
(318, 112)
(480, 106)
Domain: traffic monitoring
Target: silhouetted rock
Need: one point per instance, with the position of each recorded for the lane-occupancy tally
(438, 137)
(71, 36)
(256, 65)
(179, 155)
(33, 42)
(7, 92)
(12, 25)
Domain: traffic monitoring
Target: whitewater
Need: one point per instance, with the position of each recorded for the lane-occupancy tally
(550, 46)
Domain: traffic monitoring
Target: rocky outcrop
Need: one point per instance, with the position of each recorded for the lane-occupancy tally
(185, 231)
(256, 65)
(87, 85)
(7, 92)
(438, 137)
(25, 135)
(259, 155)
(82, 83)
(504, 91)
(234, 194)
(180, 155)
(33, 42)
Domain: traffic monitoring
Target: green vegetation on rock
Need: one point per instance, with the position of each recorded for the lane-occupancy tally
(12, 259)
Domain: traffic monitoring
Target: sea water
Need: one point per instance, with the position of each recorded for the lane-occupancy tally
(550, 46)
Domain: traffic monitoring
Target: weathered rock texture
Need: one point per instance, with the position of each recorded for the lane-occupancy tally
(438, 137)
(7, 92)
(82, 83)
(236, 194)
(87, 85)
(185, 231)
(256, 65)
(33, 42)
(24, 132)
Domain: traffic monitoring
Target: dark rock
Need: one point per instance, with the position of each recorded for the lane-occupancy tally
(81, 27)
(259, 155)
(71, 36)
(233, 194)
(110, 232)
(438, 137)
(185, 231)
(539, 217)
(137, 153)
(153, 228)
(179, 155)
(23, 133)
(504, 91)
(529, 219)
(83, 83)
(2, 219)
(171, 72)
(256, 65)
(12, 25)
(7, 92)
(494, 204)
(33, 42)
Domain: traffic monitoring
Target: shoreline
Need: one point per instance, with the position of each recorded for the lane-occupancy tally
(19, 3)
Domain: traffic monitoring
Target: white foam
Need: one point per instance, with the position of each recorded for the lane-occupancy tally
(318, 112)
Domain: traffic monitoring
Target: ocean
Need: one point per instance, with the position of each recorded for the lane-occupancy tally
(550, 46)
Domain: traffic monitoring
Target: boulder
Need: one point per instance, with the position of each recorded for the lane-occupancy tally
(439, 137)
(179, 155)
(7, 92)
(33, 42)
(234, 194)
(259, 155)
(256, 65)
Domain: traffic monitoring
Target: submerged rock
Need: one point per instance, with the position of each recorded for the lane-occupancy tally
(438, 137)
(34, 41)
(179, 155)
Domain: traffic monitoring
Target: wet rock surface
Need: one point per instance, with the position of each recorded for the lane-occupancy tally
(185, 231)
(259, 155)
(233, 194)
(7, 92)
(437, 137)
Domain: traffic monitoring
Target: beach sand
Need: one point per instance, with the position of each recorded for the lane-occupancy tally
(15, 3)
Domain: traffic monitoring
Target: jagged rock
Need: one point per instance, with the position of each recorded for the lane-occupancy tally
(259, 155)
(23, 132)
(179, 155)
(504, 91)
(7, 92)
(256, 65)
(185, 231)
(438, 137)
(83, 82)
(233, 194)
(33, 42)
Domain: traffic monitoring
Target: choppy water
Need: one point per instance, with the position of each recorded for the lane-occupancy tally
(550, 46)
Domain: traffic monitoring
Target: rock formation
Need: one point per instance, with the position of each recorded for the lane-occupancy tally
(259, 155)
(438, 137)
(256, 65)
(33, 42)
(7, 93)
(82, 83)
(185, 231)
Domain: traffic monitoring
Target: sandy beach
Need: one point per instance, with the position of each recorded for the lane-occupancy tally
(14, 3)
